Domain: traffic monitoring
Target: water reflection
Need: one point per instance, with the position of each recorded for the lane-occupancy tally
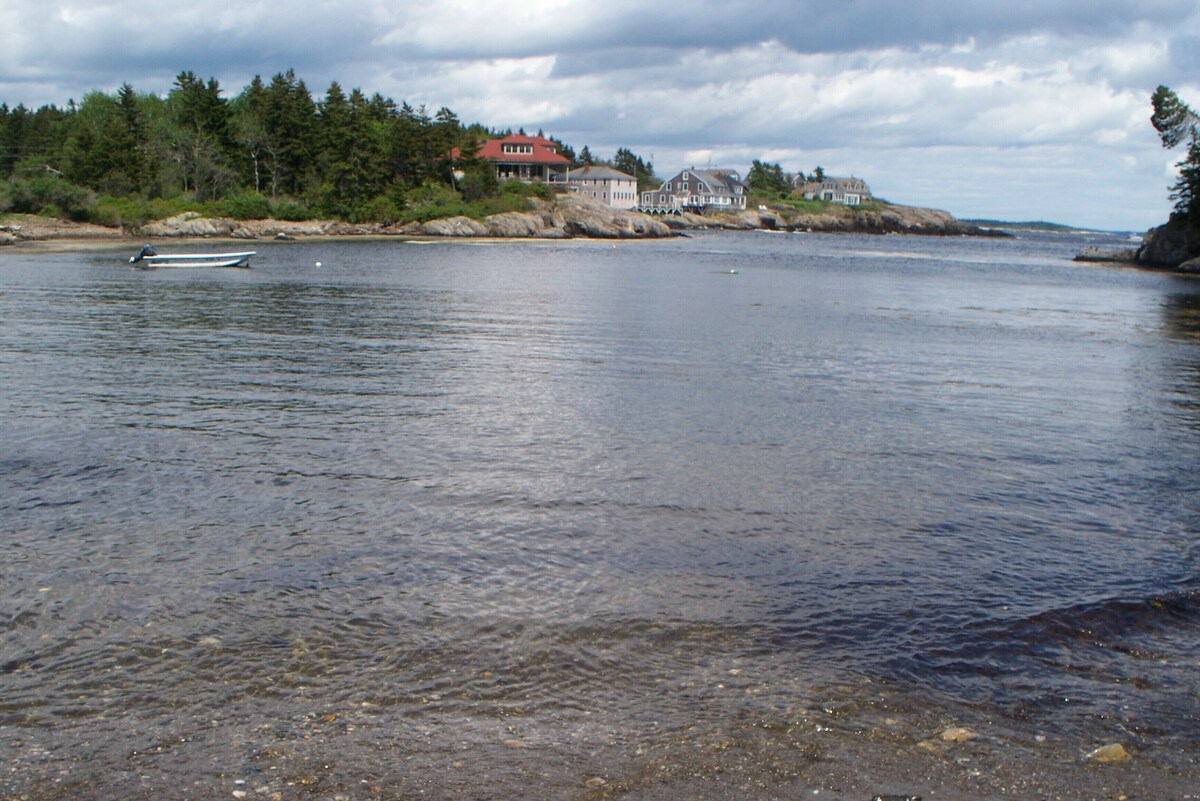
(551, 512)
(1181, 322)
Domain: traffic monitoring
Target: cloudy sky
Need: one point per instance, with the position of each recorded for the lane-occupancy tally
(1008, 109)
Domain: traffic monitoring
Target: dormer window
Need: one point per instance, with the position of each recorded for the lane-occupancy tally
(515, 148)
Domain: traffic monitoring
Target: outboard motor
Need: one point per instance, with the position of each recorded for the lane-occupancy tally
(146, 250)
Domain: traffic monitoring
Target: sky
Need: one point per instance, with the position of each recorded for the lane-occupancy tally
(1004, 109)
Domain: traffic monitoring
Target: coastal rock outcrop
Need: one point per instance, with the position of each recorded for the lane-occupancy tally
(189, 224)
(884, 219)
(560, 219)
(453, 226)
(1102, 255)
(30, 228)
(583, 216)
(1170, 246)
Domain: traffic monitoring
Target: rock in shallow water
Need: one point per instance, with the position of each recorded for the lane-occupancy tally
(958, 734)
(1113, 752)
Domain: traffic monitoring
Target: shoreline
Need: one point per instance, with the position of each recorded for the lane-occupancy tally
(562, 219)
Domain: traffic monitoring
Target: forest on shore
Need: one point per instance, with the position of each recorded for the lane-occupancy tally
(272, 151)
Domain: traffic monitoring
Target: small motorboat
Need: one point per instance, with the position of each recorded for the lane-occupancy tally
(149, 257)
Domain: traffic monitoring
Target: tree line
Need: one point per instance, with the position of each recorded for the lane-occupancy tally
(273, 149)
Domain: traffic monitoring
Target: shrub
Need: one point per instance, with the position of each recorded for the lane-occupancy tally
(288, 209)
(248, 206)
(380, 210)
(47, 195)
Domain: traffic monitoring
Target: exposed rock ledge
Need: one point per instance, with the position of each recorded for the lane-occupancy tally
(1172, 247)
(567, 217)
(1167, 247)
(886, 218)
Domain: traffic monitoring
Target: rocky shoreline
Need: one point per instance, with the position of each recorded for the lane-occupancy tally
(1167, 247)
(566, 217)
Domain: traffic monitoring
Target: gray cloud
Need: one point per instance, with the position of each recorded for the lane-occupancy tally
(959, 104)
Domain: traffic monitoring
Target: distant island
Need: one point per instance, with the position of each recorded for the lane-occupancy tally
(1032, 225)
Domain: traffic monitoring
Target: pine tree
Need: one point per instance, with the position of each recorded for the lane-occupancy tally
(1176, 122)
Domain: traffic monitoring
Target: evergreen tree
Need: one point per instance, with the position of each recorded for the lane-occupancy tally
(767, 177)
(287, 115)
(1186, 191)
(202, 146)
(12, 138)
(1176, 123)
(630, 163)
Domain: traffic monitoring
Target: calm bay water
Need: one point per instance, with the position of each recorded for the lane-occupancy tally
(740, 515)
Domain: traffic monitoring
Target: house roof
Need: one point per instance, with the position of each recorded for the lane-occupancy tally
(543, 150)
(719, 182)
(598, 172)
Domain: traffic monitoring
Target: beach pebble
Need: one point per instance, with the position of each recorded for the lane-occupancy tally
(1113, 752)
(596, 781)
(514, 743)
(957, 734)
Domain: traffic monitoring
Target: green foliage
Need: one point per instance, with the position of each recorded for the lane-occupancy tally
(132, 210)
(1172, 118)
(767, 178)
(47, 195)
(291, 210)
(1186, 191)
(248, 206)
(272, 150)
(801, 204)
(630, 163)
(380, 209)
(478, 181)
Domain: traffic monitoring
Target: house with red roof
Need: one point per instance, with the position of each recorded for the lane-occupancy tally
(526, 158)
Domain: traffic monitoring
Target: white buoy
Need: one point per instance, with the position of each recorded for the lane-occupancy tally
(318, 264)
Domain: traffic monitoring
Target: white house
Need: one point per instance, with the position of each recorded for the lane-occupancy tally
(611, 187)
(697, 190)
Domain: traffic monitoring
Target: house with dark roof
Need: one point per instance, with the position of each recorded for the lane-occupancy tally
(526, 158)
(697, 190)
(611, 187)
(847, 191)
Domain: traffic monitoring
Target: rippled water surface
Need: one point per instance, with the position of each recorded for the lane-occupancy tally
(740, 515)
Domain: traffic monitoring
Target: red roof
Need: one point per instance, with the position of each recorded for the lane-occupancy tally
(541, 150)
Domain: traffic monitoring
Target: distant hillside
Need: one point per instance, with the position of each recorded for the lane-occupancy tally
(1034, 225)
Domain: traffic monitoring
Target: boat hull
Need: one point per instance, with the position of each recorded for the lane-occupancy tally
(196, 260)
